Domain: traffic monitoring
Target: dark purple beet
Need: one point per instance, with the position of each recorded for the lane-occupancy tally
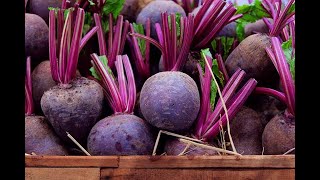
(132, 8)
(153, 11)
(122, 134)
(175, 147)
(41, 82)
(36, 38)
(74, 109)
(41, 139)
(279, 135)
(170, 101)
(246, 130)
(40, 7)
(250, 55)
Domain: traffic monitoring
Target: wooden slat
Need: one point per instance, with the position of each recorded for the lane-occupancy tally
(191, 174)
(71, 161)
(62, 173)
(207, 161)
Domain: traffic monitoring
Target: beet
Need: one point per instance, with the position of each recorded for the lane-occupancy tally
(73, 107)
(279, 135)
(175, 147)
(246, 130)
(256, 27)
(170, 101)
(41, 139)
(40, 7)
(131, 8)
(250, 56)
(42, 81)
(122, 134)
(153, 11)
(36, 38)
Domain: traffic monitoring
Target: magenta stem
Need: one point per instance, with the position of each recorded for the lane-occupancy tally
(271, 92)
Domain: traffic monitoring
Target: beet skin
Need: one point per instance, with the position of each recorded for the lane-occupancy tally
(74, 109)
(170, 101)
(175, 147)
(122, 134)
(41, 139)
(279, 135)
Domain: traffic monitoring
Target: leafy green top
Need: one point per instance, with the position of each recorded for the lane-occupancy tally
(287, 49)
(104, 61)
(251, 13)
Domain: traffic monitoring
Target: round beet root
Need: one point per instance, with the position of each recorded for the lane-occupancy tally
(41, 139)
(250, 55)
(246, 131)
(122, 134)
(74, 109)
(279, 135)
(258, 26)
(131, 8)
(42, 81)
(170, 101)
(153, 11)
(40, 7)
(36, 38)
(175, 147)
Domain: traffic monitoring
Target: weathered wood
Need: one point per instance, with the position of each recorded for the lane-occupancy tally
(71, 161)
(62, 173)
(191, 174)
(207, 161)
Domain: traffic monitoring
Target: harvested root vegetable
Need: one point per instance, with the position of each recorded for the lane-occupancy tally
(250, 54)
(153, 12)
(246, 128)
(170, 100)
(75, 104)
(279, 134)
(40, 138)
(131, 8)
(41, 82)
(121, 133)
(41, 7)
(211, 116)
(36, 38)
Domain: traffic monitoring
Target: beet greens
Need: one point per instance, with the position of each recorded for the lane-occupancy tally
(28, 102)
(174, 40)
(210, 116)
(65, 42)
(120, 92)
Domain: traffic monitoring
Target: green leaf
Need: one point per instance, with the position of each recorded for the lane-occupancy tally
(287, 50)
(213, 94)
(292, 8)
(178, 24)
(215, 71)
(91, 3)
(251, 13)
(226, 45)
(141, 42)
(53, 8)
(104, 61)
(88, 21)
(112, 6)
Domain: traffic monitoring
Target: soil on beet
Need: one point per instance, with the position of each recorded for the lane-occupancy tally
(279, 135)
(73, 109)
(41, 139)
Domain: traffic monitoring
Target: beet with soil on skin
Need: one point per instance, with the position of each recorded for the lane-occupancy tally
(73, 109)
(41, 139)
(279, 135)
(36, 38)
(122, 134)
(246, 130)
(153, 11)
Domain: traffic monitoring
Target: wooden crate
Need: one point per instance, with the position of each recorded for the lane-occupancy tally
(160, 167)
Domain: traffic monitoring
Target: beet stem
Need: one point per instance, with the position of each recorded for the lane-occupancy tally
(222, 67)
(101, 36)
(271, 92)
(131, 84)
(29, 106)
(88, 36)
(122, 82)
